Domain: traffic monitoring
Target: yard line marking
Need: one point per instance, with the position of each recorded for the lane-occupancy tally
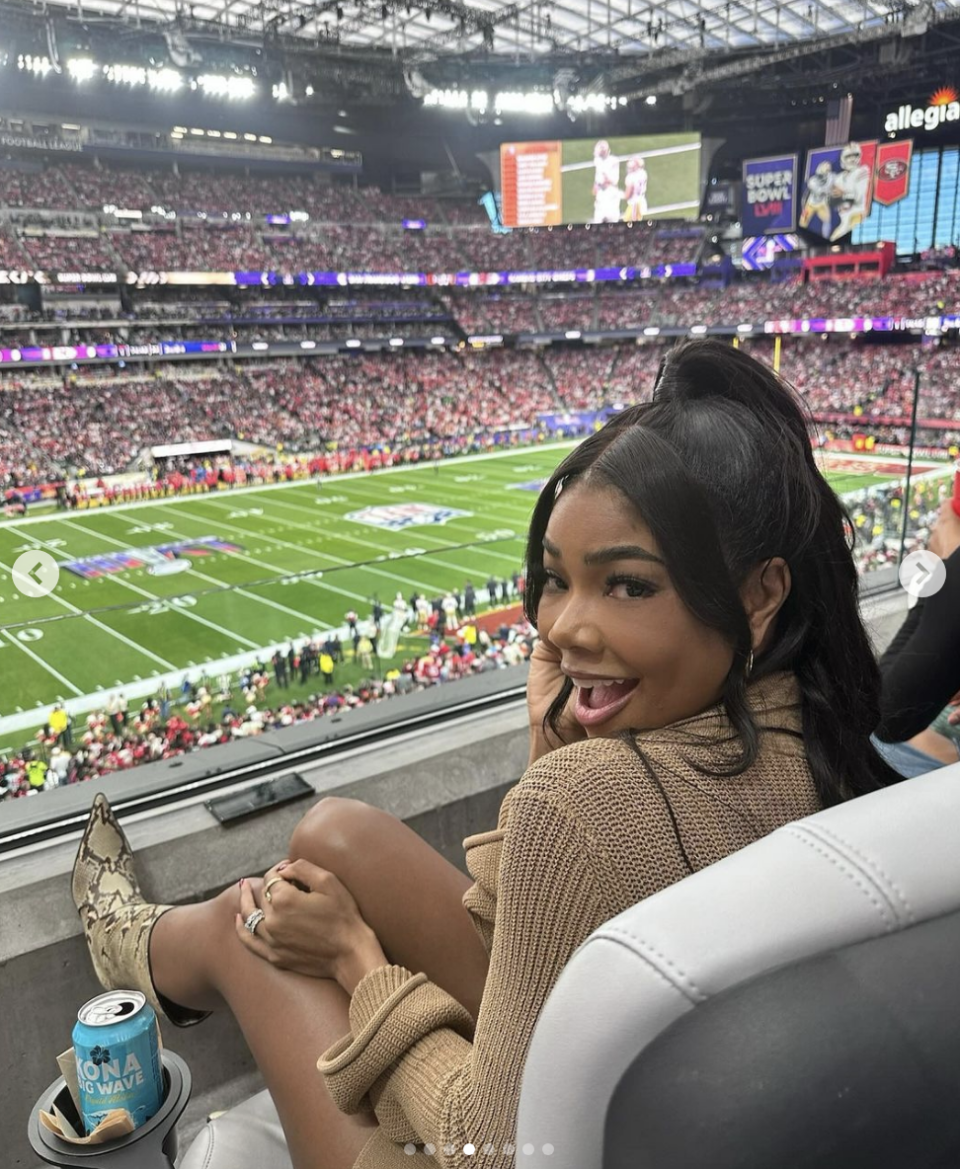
(421, 534)
(272, 568)
(129, 641)
(340, 562)
(154, 597)
(106, 628)
(40, 662)
(203, 576)
(444, 546)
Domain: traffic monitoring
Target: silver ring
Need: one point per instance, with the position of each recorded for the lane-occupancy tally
(251, 923)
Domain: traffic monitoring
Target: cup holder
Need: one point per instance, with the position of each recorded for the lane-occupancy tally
(152, 1146)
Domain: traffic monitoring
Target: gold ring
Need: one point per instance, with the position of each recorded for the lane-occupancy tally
(266, 888)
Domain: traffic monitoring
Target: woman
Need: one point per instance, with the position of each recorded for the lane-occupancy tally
(702, 677)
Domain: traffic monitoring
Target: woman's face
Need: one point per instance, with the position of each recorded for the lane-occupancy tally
(637, 657)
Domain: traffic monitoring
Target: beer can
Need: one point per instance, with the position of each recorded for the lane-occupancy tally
(116, 1041)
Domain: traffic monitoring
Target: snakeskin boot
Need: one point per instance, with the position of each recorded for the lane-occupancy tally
(117, 922)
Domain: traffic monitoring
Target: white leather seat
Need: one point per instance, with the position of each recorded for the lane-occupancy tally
(248, 1135)
(875, 866)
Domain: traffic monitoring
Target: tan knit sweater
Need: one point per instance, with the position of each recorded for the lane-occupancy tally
(584, 835)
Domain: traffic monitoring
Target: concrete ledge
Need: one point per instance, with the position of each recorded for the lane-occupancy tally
(446, 783)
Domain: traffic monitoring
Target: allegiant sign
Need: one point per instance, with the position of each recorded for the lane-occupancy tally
(944, 106)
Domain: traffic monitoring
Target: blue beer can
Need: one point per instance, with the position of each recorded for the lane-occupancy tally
(117, 1045)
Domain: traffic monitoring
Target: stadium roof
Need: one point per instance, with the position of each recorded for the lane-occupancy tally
(532, 27)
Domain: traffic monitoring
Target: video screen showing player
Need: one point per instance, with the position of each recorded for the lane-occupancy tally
(606, 184)
(850, 190)
(635, 190)
(816, 198)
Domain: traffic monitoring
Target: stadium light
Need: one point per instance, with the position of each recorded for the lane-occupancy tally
(125, 74)
(396, 341)
(744, 328)
(593, 103)
(698, 329)
(438, 340)
(353, 343)
(134, 75)
(651, 331)
(308, 344)
(164, 80)
(81, 68)
(518, 102)
(260, 346)
(232, 88)
(32, 64)
(513, 101)
(572, 334)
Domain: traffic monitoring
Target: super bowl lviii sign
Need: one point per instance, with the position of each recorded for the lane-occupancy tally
(769, 195)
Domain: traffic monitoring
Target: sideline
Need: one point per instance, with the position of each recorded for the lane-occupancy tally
(232, 492)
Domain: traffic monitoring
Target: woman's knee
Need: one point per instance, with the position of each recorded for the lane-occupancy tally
(331, 828)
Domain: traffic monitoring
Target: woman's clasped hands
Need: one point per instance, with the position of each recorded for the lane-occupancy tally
(311, 924)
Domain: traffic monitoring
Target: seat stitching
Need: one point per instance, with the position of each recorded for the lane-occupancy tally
(847, 869)
(695, 993)
(869, 862)
(208, 1155)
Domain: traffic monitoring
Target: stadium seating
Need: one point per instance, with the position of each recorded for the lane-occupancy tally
(303, 404)
(689, 1029)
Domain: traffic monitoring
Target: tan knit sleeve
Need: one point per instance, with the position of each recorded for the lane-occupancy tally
(409, 1046)
(484, 851)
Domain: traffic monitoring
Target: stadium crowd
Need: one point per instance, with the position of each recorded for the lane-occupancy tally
(218, 225)
(403, 403)
(96, 424)
(252, 703)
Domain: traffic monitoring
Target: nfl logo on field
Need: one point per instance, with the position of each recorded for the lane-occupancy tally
(397, 516)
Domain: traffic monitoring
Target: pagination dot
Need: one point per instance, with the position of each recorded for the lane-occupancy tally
(528, 1149)
(548, 1150)
(489, 1148)
(409, 1149)
(429, 1149)
(469, 1150)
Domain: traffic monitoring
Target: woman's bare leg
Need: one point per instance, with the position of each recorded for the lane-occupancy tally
(288, 1021)
(407, 893)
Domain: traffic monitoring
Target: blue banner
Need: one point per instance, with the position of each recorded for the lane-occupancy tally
(769, 203)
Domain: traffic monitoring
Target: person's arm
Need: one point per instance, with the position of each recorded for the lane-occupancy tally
(921, 667)
(413, 1049)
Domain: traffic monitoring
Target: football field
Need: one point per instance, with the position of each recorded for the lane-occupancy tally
(202, 583)
(156, 589)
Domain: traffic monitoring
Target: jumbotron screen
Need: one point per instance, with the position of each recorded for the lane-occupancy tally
(600, 180)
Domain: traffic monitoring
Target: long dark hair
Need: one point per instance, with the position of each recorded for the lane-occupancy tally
(721, 469)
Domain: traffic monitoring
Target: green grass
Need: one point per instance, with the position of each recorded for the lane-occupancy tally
(842, 483)
(301, 566)
(672, 178)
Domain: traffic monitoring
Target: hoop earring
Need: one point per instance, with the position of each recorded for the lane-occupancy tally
(749, 670)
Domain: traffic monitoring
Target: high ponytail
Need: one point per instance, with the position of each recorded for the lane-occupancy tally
(720, 467)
